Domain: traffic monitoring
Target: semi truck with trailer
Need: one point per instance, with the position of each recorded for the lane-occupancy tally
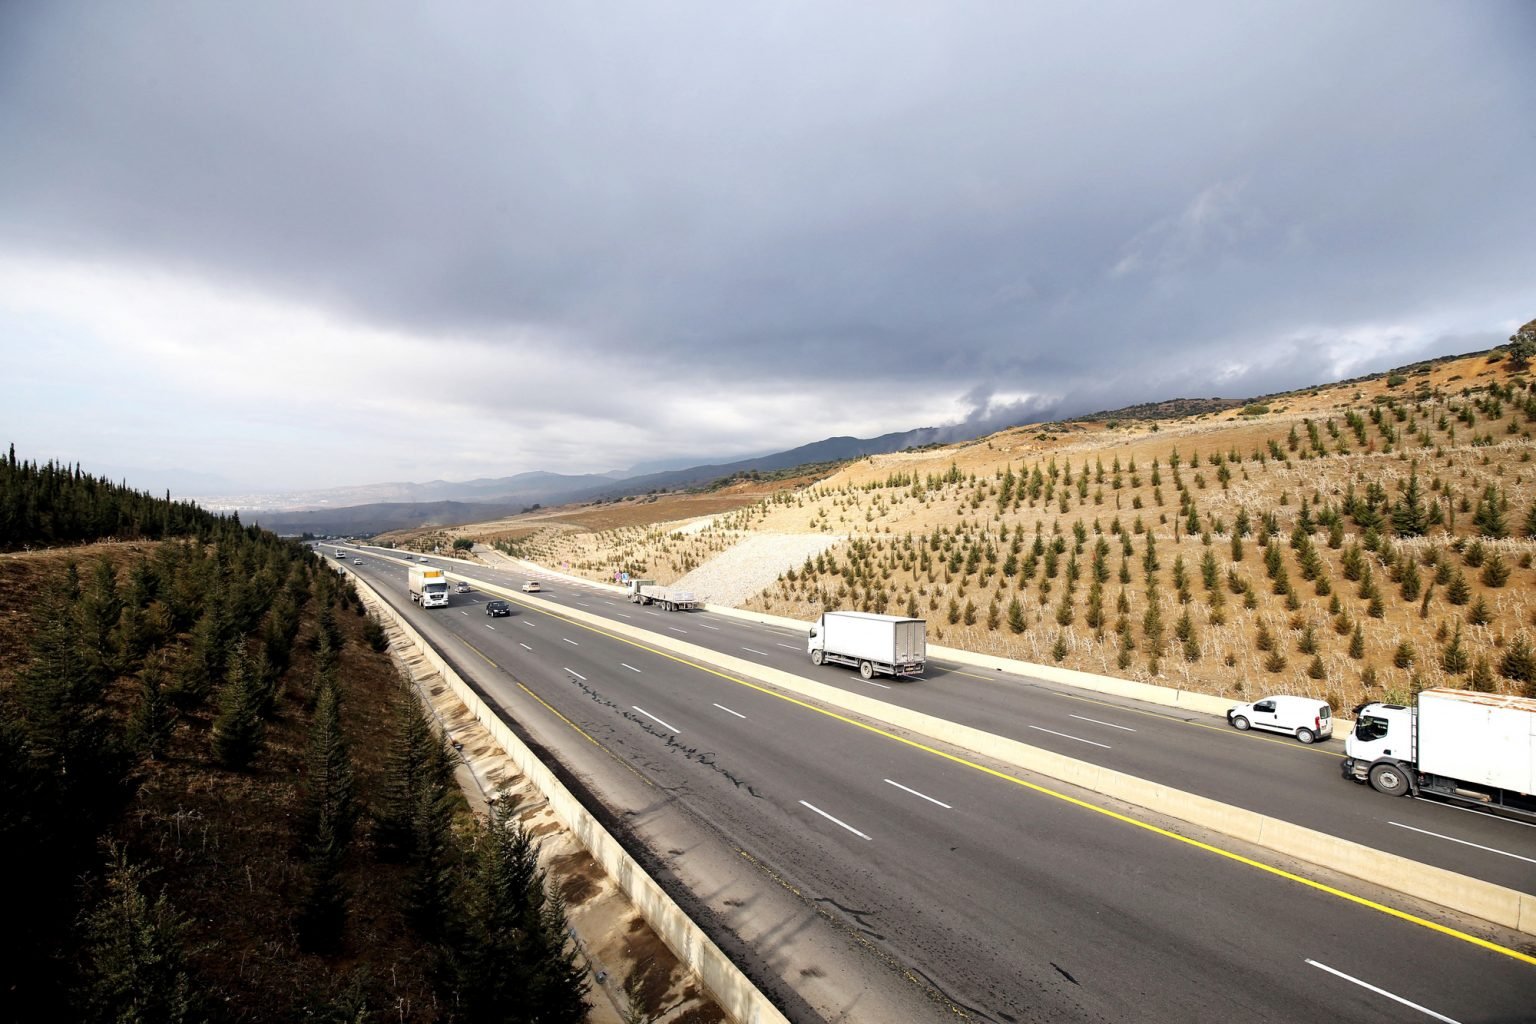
(1473, 749)
(888, 645)
(671, 599)
(428, 586)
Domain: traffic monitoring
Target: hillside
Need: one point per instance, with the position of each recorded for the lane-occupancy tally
(1353, 541)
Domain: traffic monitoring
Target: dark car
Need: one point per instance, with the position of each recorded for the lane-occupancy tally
(497, 608)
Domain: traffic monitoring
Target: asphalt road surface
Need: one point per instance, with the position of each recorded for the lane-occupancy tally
(983, 890)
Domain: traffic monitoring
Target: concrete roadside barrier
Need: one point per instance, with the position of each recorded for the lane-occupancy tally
(1500, 905)
(732, 990)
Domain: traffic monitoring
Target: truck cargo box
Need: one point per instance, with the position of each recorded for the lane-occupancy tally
(1484, 738)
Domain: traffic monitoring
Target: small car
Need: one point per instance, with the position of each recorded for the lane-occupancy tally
(497, 608)
(357, 561)
(461, 588)
(532, 587)
(1306, 718)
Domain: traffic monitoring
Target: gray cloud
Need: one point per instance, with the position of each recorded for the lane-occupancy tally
(1105, 204)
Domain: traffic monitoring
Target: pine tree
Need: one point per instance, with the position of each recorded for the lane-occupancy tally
(1479, 614)
(134, 956)
(1489, 518)
(1519, 663)
(1015, 616)
(1409, 516)
(238, 732)
(149, 728)
(1357, 643)
(1454, 658)
(1495, 570)
(1482, 676)
(326, 820)
(1458, 592)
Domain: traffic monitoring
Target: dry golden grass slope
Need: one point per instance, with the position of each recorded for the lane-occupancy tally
(995, 541)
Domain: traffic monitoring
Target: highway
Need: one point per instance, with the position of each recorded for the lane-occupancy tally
(1006, 897)
(1270, 774)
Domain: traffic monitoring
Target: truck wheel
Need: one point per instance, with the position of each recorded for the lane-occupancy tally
(1239, 723)
(1306, 735)
(1389, 779)
(818, 656)
(866, 670)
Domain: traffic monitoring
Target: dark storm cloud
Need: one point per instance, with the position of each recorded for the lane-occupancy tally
(1112, 202)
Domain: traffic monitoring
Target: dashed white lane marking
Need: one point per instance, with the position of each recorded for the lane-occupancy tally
(630, 667)
(715, 628)
(653, 718)
(524, 646)
(1463, 842)
(490, 627)
(1095, 721)
(728, 711)
(568, 640)
(751, 650)
(791, 647)
(1382, 992)
(925, 796)
(573, 672)
(871, 682)
(624, 616)
(833, 820)
(676, 630)
(462, 612)
(1067, 736)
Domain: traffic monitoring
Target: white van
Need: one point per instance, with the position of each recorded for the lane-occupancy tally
(1306, 718)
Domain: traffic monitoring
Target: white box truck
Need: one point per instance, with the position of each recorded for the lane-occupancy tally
(888, 645)
(670, 598)
(1475, 749)
(429, 587)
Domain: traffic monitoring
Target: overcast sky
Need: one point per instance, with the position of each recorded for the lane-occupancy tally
(300, 245)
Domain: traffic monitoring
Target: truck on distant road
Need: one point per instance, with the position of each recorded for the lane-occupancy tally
(670, 598)
(888, 645)
(1474, 749)
(428, 586)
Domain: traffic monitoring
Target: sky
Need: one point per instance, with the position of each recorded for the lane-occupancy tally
(280, 245)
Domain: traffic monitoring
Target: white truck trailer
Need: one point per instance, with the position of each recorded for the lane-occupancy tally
(428, 585)
(1475, 749)
(889, 645)
(670, 598)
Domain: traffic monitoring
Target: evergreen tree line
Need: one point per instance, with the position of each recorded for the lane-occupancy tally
(53, 504)
(115, 663)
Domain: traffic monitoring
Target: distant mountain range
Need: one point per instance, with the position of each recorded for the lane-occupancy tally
(375, 508)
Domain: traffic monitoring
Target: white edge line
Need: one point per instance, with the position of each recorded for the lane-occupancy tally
(728, 711)
(578, 675)
(630, 667)
(1095, 721)
(653, 718)
(1068, 736)
(1382, 992)
(834, 821)
(925, 796)
(1463, 842)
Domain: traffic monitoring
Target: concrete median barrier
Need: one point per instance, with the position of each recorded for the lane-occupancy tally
(1502, 906)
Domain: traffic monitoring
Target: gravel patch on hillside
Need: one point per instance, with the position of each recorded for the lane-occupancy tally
(736, 574)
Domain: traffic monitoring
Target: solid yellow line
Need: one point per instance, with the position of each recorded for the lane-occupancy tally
(1114, 815)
